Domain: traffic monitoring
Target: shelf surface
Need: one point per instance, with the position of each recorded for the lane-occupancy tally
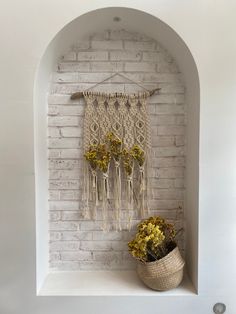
(105, 283)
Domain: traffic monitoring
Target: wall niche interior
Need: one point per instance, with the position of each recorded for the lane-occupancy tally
(76, 60)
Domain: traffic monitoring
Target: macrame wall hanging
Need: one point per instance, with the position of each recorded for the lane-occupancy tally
(116, 150)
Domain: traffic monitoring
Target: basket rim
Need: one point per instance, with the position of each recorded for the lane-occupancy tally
(176, 249)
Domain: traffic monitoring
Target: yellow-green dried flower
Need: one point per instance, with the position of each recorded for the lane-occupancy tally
(151, 236)
(114, 146)
(154, 239)
(103, 157)
(127, 161)
(138, 154)
(91, 156)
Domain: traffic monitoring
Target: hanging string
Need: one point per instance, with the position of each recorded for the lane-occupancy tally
(84, 93)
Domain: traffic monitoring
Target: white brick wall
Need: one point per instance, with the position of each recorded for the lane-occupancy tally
(76, 243)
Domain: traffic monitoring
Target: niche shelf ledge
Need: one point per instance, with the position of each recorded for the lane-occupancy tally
(105, 283)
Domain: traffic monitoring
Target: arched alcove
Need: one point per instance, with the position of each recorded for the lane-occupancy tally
(79, 30)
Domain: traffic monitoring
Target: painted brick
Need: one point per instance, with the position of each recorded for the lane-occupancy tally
(63, 225)
(64, 143)
(63, 100)
(163, 141)
(107, 44)
(179, 183)
(168, 162)
(162, 183)
(95, 246)
(170, 130)
(167, 120)
(65, 77)
(64, 174)
(140, 67)
(125, 55)
(71, 153)
(65, 246)
(75, 235)
(91, 226)
(168, 151)
(140, 45)
(92, 55)
(53, 132)
(71, 215)
(54, 236)
(119, 245)
(64, 164)
(165, 204)
(71, 132)
(100, 36)
(69, 88)
(108, 257)
(125, 35)
(64, 185)
(169, 194)
(170, 109)
(171, 88)
(83, 45)
(167, 98)
(70, 195)
(54, 215)
(54, 195)
(167, 67)
(64, 265)
(179, 140)
(76, 256)
(70, 56)
(73, 67)
(170, 173)
(106, 66)
(53, 153)
(101, 236)
(54, 256)
(151, 56)
(63, 121)
(75, 110)
(92, 77)
(63, 205)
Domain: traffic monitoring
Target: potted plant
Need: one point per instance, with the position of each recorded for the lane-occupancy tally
(160, 265)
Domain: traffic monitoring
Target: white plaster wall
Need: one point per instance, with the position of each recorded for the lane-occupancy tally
(207, 29)
(78, 244)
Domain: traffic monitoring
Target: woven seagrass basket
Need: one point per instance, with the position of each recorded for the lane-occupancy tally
(163, 274)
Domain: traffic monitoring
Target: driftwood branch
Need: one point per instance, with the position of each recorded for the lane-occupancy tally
(79, 95)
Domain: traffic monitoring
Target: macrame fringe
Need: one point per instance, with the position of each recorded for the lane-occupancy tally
(117, 195)
(105, 189)
(130, 200)
(86, 188)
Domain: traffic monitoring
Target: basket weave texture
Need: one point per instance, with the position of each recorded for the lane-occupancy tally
(163, 274)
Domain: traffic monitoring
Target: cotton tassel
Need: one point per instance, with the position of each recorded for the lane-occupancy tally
(148, 190)
(142, 191)
(94, 193)
(117, 194)
(86, 193)
(130, 199)
(104, 200)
